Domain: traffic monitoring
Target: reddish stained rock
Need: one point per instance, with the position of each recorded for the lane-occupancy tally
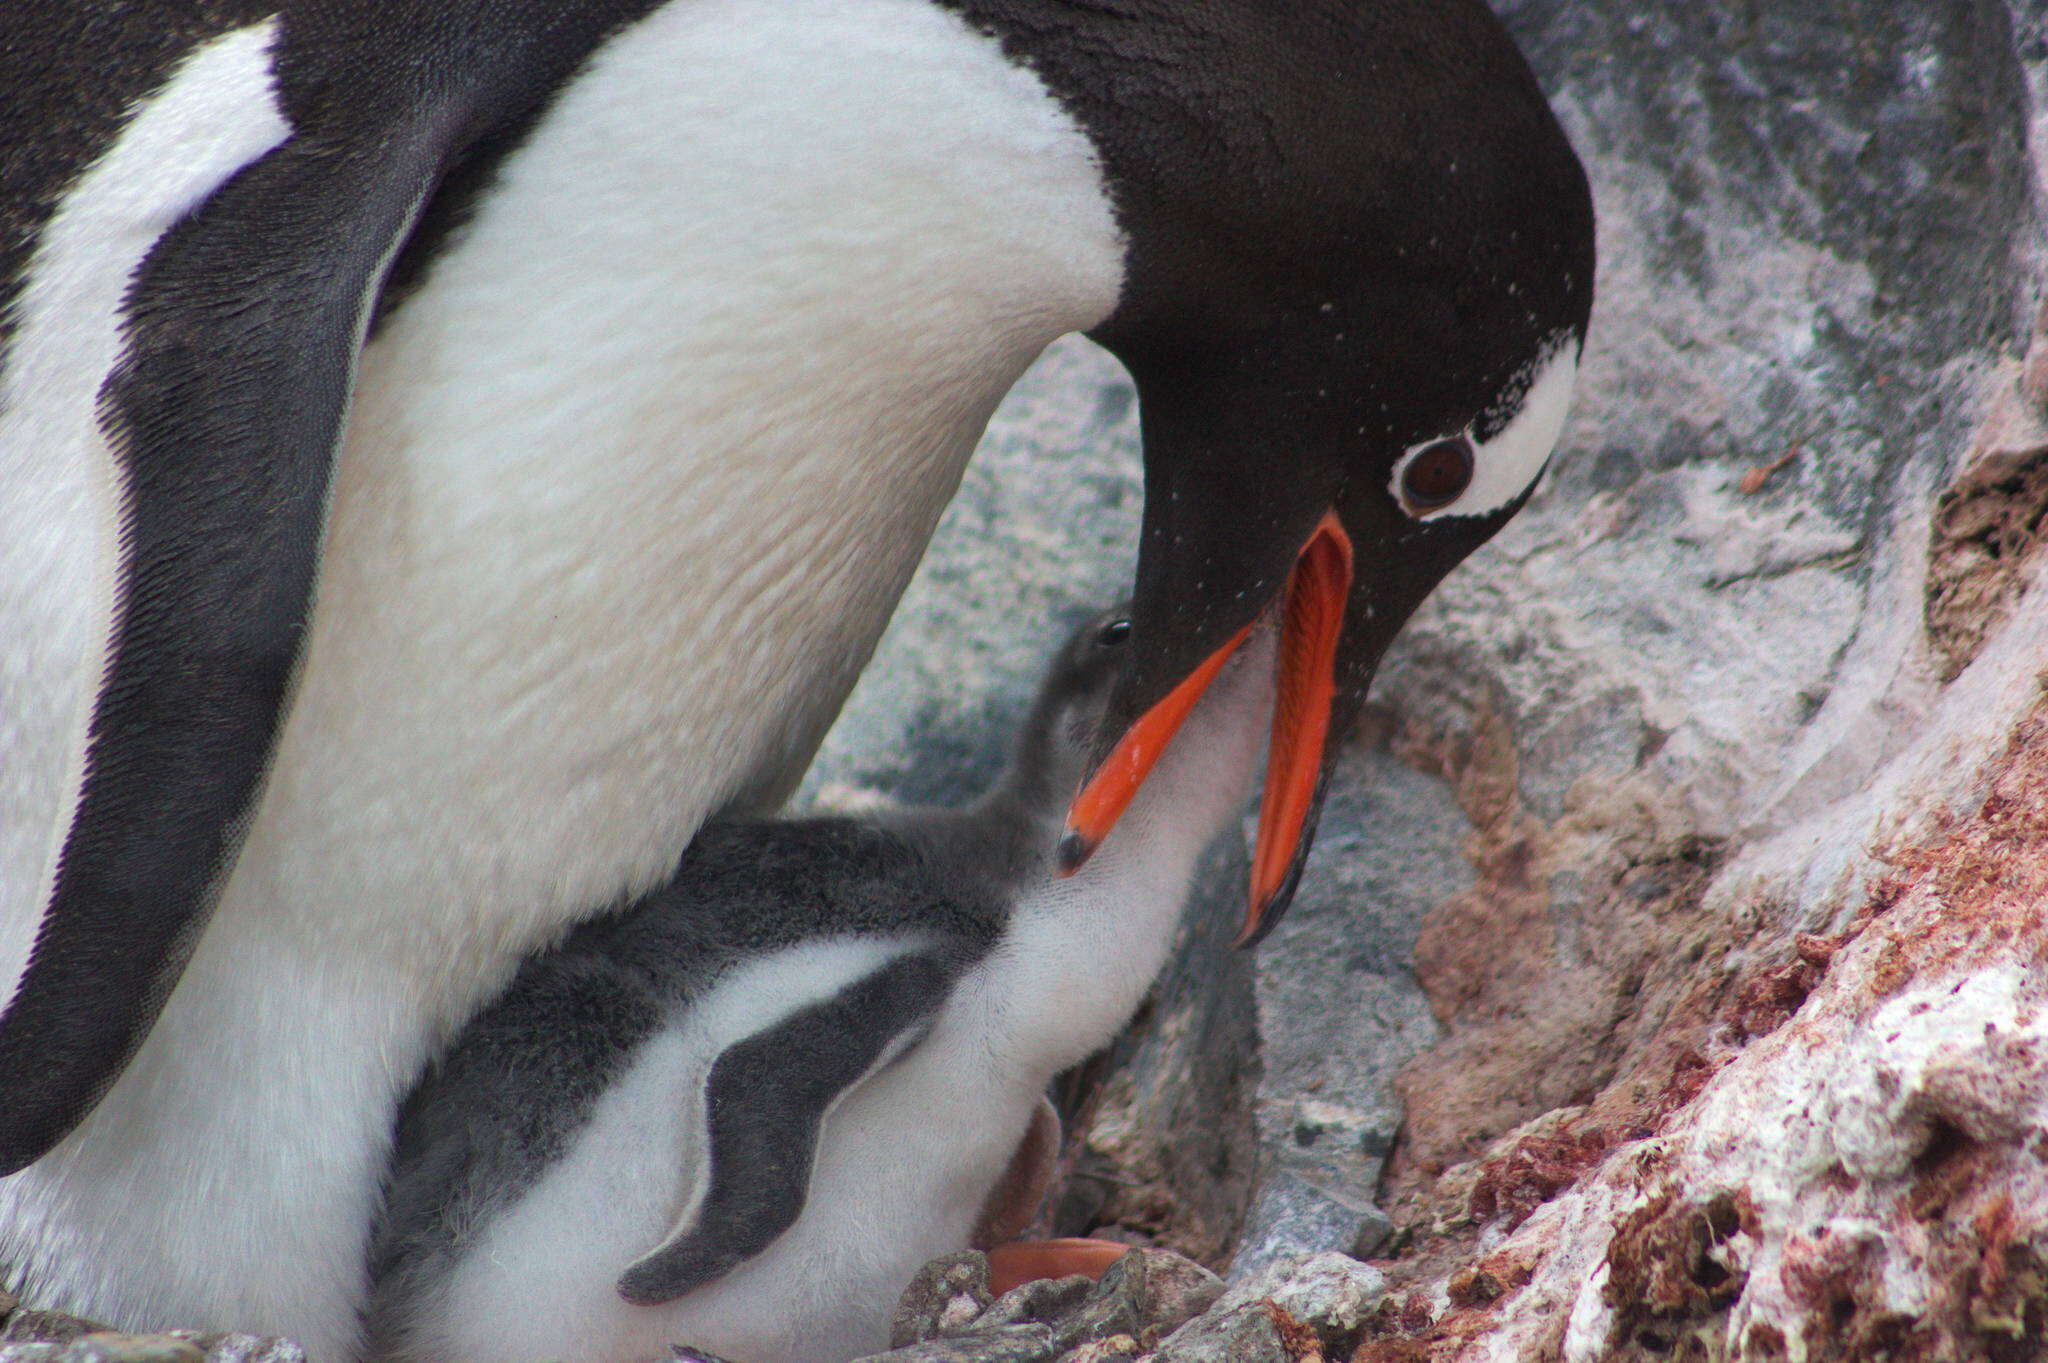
(1392, 1351)
(1986, 529)
(1824, 1273)
(1301, 1341)
(1413, 1315)
(1489, 1280)
(1869, 1185)
(1769, 1000)
(1536, 1022)
(1669, 1260)
(1534, 1170)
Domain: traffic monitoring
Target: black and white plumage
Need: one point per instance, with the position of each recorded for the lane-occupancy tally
(740, 1113)
(451, 448)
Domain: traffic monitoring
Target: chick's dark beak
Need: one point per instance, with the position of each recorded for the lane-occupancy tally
(1311, 604)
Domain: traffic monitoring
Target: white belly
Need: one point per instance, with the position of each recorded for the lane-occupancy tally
(904, 1164)
(629, 490)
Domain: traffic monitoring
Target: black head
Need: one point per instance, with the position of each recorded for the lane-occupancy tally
(1359, 268)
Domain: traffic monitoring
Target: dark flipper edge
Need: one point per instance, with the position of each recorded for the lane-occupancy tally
(765, 1101)
(243, 329)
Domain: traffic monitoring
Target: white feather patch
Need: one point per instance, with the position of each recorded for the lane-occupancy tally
(541, 1281)
(61, 487)
(1504, 467)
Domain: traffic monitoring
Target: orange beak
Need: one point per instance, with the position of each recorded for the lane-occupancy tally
(1312, 621)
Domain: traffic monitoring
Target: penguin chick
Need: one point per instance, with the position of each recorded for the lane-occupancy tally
(741, 1112)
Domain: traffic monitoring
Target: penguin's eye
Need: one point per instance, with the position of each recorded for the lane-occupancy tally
(1113, 634)
(1448, 476)
(1437, 475)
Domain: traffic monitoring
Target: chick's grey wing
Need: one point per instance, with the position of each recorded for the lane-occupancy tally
(495, 1112)
(240, 330)
(765, 1101)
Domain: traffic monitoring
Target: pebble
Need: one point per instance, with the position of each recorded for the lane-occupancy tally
(946, 1315)
(944, 1298)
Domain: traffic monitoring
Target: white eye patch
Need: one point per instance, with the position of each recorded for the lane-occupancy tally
(1504, 466)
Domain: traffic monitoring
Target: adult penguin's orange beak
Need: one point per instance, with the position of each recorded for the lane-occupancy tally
(1312, 605)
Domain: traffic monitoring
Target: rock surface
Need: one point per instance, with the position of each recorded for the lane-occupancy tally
(28, 1336)
(1151, 1304)
(948, 1313)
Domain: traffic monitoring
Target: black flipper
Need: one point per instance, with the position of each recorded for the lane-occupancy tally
(243, 328)
(765, 1101)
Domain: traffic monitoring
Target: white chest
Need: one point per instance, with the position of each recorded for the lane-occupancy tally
(628, 491)
(904, 1162)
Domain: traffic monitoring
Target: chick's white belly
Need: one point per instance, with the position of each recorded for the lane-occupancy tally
(904, 1164)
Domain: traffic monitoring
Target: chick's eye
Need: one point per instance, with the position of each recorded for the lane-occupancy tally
(1114, 633)
(1438, 475)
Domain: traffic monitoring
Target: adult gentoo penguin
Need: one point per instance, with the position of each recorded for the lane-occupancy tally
(740, 1113)
(340, 674)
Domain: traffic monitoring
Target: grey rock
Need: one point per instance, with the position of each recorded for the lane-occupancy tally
(1029, 1343)
(1328, 1293)
(1160, 1291)
(1293, 1217)
(1337, 1008)
(107, 1347)
(1110, 1350)
(1242, 1334)
(240, 1348)
(1331, 1292)
(945, 1297)
(52, 1327)
(52, 1337)
(1375, 1236)
(1145, 1295)
(1054, 1302)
